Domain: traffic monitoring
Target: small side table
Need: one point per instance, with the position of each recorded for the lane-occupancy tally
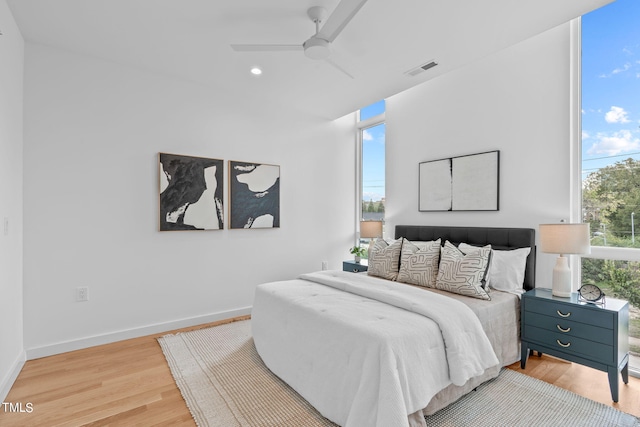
(585, 333)
(355, 267)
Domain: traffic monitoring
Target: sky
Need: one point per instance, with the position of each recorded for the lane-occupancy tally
(373, 140)
(610, 85)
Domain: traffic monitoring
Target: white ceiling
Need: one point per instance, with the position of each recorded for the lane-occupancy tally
(189, 39)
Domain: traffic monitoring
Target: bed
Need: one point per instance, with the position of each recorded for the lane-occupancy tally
(367, 350)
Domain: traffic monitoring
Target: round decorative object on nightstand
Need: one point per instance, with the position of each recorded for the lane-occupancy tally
(591, 293)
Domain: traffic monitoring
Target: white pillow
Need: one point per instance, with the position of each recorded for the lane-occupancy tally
(507, 267)
(419, 263)
(463, 274)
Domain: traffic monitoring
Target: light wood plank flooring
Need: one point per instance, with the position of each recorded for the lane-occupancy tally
(128, 383)
(584, 381)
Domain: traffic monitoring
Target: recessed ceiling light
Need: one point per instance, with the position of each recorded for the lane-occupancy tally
(256, 71)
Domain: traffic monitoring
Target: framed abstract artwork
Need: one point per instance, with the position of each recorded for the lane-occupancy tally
(463, 183)
(254, 195)
(191, 193)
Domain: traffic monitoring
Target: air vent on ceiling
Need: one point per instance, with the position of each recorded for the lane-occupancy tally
(421, 68)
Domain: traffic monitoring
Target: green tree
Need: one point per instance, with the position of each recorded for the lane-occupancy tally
(624, 279)
(610, 195)
(592, 270)
(370, 206)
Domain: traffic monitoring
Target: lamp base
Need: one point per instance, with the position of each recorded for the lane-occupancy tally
(372, 241)
(561, 278)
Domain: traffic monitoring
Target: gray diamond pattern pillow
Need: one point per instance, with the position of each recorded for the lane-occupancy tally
(384, 259)
(419, 263)
(463, 274)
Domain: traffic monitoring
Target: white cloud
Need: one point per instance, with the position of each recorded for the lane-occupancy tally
(585, 135)
(372, 195)
(366, 135)
(616, 143)
(615, 71)
(624, 68)
(616, 115)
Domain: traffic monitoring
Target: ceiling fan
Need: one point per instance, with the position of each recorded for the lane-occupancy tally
(318, 46)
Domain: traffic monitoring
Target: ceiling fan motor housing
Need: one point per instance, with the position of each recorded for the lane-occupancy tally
(317, 48)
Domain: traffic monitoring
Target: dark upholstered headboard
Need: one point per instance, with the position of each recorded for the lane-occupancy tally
(498, 238)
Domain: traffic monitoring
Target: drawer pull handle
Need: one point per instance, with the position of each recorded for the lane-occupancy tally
(563, 345)
(561, 314)
(355, 270)
(563, 330)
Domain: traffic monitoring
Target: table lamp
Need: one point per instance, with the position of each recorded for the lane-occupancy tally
(370, 230)
(564, 239)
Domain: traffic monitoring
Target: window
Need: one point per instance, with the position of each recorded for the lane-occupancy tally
(372, 110)
(610, 74)
(373, 173)
(371, 165)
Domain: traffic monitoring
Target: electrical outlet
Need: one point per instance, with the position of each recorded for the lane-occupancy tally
(6, 226)
(82, 294)
(325, 265)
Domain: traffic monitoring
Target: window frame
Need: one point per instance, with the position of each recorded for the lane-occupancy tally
(575, 118)
(361, 126)
(597, 252)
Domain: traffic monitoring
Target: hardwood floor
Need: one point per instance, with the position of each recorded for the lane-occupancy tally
(584, 381)
(129, 383)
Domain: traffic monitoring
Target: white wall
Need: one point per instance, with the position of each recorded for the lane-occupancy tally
(515, 101)
(93, 130)
(11, 337)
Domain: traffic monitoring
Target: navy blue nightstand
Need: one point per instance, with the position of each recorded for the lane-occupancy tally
(355, 267)
(589, 334)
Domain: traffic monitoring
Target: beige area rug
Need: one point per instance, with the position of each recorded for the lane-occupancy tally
(225, 383)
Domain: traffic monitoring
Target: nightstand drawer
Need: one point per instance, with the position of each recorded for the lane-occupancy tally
(571, 328)
(574, 312)
(570, 345)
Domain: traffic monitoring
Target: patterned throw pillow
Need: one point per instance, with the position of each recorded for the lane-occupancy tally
(384, 259)
(419, 263)
(463, 274)
(467, 249)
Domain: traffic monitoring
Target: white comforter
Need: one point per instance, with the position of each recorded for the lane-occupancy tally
(366, 351)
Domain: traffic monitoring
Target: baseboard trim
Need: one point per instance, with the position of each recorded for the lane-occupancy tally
(8, 381)
(72, 345)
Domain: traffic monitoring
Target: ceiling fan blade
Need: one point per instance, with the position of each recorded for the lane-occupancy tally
(339, 68)
(340, 17)
(266, 47)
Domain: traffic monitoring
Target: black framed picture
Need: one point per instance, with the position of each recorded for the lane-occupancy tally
(462, 183)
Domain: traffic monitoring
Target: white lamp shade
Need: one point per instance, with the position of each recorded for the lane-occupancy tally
(565, 238)
(370, 229)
